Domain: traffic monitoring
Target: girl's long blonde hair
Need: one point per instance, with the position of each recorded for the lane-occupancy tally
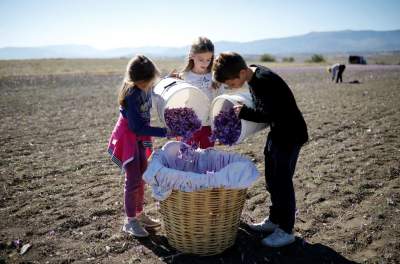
(199, 45)
(139, 68)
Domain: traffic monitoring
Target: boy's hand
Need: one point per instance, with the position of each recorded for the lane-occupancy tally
(237, 108)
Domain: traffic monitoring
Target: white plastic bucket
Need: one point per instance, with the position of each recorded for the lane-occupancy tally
(225, 102)
(175, 93)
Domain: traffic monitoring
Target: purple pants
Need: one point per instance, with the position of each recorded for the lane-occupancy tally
(134, 184)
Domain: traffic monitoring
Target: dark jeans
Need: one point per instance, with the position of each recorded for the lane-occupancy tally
(280, 164)
(340, 73)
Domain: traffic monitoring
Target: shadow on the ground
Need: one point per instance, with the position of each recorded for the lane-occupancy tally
(248, 249)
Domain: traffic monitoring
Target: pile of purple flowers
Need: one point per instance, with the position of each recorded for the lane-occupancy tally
(227, 127)
(182, 121)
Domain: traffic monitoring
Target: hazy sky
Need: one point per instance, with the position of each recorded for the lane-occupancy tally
(113, 24)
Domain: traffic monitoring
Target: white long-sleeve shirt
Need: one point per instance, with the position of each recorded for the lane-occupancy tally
(204, 83)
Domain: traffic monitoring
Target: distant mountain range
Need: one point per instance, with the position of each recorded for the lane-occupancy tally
(346, 41)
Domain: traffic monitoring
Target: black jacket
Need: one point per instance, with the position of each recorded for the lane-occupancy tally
(276, 106)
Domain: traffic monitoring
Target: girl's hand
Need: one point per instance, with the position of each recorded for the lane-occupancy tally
(175, 74)
(237, 108)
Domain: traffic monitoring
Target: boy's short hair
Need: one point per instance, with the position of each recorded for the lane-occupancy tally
(227, 66)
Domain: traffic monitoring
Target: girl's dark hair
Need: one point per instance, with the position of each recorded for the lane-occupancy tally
(200, 45)
(227, 66)
(139, 68)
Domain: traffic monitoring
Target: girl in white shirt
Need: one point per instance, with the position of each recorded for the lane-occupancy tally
(198, 73)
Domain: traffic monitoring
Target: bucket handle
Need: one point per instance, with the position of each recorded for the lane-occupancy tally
(167, 87)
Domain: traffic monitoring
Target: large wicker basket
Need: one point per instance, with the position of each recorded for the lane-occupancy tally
(203, 222)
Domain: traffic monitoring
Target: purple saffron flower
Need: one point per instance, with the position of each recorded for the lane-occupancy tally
(227, 127)
(182, 122)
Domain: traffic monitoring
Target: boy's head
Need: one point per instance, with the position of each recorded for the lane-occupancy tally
(230, 68)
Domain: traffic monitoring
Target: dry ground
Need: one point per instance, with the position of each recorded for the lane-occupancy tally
(60, 192)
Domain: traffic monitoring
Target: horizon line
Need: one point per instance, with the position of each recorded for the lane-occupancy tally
(183, 46)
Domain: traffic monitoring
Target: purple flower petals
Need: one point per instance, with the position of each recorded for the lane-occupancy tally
(182, 121)
(227, 127)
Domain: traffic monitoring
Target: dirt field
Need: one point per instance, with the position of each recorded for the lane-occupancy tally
(60, 192)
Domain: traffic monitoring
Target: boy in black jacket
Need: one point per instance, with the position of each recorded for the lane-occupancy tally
(276, 106)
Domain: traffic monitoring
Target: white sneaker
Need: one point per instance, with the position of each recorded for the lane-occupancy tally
(146, 221)
(134, 227)
(278, 239)
(265, 226)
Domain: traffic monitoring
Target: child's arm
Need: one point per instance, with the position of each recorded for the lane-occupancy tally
(250, 114)
(136, 123)
(175, 74)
